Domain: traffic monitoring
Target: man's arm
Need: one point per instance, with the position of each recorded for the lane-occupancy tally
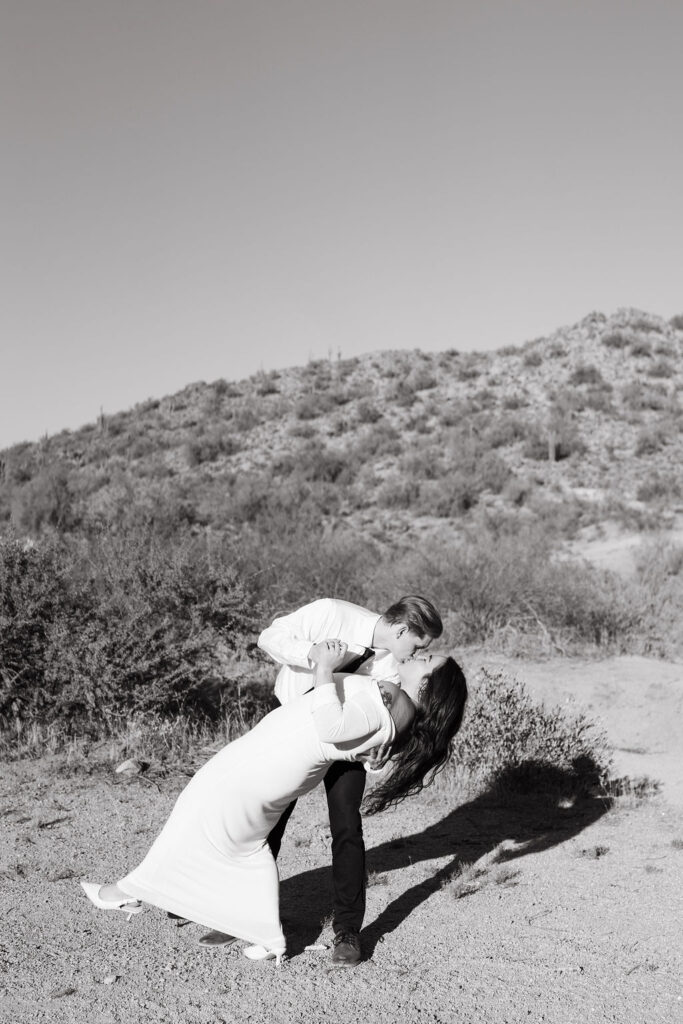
(290, 639)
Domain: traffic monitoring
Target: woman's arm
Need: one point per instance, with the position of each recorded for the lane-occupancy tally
(336, 721)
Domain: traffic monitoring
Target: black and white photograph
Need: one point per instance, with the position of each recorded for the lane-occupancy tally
(341, 512)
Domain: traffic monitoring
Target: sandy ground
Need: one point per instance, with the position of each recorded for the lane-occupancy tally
(488, 911)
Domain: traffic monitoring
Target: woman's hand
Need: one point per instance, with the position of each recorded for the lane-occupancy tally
(329, 654)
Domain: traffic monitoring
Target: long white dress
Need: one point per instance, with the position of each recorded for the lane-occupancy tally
(211, 862)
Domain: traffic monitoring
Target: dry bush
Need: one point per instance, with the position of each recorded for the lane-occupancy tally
(48, 500)
(367, 411)
(466, 473)
(379, 440)
(397, 491)
(659, 566)
(119, 627)
(616, 339)
(503, 430)
(508, 736)
(661, 487)
(641, 347)
(652, 439)
(639, 396)
(217, 441)
(493, 582)
(586, 374)
(661, 368)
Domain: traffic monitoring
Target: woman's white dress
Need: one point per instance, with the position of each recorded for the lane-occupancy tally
(211, 863)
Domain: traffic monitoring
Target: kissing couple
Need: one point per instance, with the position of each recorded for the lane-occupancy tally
(357, 691)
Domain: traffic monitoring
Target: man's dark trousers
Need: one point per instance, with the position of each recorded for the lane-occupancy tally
(345, 785)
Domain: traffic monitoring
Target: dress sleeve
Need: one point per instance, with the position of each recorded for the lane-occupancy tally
(354, 719)
(289, 638)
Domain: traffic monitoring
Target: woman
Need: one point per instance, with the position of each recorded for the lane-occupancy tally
(212, 864)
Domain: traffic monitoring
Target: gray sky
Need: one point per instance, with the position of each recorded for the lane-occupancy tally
(195, 189)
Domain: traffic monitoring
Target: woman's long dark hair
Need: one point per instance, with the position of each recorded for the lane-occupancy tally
(426, 746)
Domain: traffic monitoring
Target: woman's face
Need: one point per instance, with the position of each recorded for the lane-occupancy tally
(413, 671)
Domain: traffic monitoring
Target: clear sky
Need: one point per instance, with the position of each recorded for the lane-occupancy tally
(195, 189)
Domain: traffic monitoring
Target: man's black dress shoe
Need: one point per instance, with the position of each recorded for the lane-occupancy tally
(346, 948)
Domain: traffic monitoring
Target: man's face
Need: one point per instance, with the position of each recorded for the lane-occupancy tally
(404, 643)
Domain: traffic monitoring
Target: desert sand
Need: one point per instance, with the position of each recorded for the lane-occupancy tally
(489, 911)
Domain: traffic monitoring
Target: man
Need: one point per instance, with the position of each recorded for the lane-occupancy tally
(377, 644)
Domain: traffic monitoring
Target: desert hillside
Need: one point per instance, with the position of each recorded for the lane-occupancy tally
(578, 428)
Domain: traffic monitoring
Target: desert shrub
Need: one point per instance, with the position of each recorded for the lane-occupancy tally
(315, 461)
(651, 439)
(502, 431)
(555, 350)
(225, 389)
(468, 371)
(374, 442)
(638, 396)
(423, 462)
(368, 412)
(421, 378)
(641, 347)
(493, 583)
(120, 627)
(312, 406)
(402, 393)
(677, 322)
(343, 368)
(515, 402)
(586, 374)
(664, 348)
(48, 500)
(289, 562)
(615, 339)
(484, 398)
(506, 733)
(210, 446)
(244, 417)
(419, 423)
(454, 413)
(648, 324)
(18, 464)
(398, 491)
(661, 368)
(467, 473)
(598, 399)
(532, 358)
(659, 569)
(658, 486)
(303, 430)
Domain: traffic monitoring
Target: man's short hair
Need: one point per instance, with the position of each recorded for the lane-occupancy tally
(419, 615)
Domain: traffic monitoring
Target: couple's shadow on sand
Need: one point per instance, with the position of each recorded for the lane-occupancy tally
(529, 808)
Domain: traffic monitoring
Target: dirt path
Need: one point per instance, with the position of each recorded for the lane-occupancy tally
(481, 913)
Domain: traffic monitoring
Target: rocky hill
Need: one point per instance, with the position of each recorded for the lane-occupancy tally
(580, 427)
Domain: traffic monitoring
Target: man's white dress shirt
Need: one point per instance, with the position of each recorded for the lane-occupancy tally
(288, 640)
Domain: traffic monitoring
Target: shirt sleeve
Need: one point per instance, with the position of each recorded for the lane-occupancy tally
(354, 719)
(289, 638)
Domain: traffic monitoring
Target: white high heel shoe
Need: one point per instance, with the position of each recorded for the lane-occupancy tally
(129, 906)
(261, 953)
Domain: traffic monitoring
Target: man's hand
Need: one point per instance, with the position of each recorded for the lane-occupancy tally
(329, 654)
(379, 757)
